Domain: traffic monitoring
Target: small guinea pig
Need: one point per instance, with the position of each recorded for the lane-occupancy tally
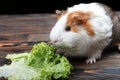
(86, 30)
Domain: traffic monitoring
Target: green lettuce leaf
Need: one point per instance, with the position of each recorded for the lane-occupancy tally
(42, 63)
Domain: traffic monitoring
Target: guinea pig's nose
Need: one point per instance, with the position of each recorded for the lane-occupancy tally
(53, 42)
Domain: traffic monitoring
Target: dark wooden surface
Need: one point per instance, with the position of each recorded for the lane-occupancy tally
(18, 33)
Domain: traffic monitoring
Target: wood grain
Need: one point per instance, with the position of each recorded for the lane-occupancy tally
(18, 33)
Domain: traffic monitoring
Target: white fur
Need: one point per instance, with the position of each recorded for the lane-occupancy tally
(81, 43)
(91, 7)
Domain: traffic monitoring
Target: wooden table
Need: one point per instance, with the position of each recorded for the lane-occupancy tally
(18, 33)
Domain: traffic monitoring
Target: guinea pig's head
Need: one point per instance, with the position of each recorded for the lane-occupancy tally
(70, 27)
(74, 25)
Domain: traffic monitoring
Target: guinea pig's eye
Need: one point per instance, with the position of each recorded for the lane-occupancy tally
(67, 28)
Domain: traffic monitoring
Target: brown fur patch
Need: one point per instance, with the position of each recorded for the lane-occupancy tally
(80, 19)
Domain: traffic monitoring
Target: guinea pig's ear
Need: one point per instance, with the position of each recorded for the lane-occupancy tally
(59, 13)
(78, 17)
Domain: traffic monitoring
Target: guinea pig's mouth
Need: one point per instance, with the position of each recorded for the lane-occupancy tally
(60, 43)
(57, 44)
(64, 46)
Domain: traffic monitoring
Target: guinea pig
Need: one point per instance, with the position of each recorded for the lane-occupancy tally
(86, 29)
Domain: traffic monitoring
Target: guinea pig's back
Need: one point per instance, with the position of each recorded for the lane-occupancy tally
(115, 32)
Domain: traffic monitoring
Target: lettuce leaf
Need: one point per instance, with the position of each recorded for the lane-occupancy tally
(42, 63)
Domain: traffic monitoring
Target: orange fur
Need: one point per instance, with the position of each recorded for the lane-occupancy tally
(77, 19)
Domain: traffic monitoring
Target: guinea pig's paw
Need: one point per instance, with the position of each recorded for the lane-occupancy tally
(91, 61)
(119, 46)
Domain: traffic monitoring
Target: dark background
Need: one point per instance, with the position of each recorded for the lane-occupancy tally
(46, 6)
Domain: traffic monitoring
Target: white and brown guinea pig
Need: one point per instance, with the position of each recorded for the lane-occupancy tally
(86, 30)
